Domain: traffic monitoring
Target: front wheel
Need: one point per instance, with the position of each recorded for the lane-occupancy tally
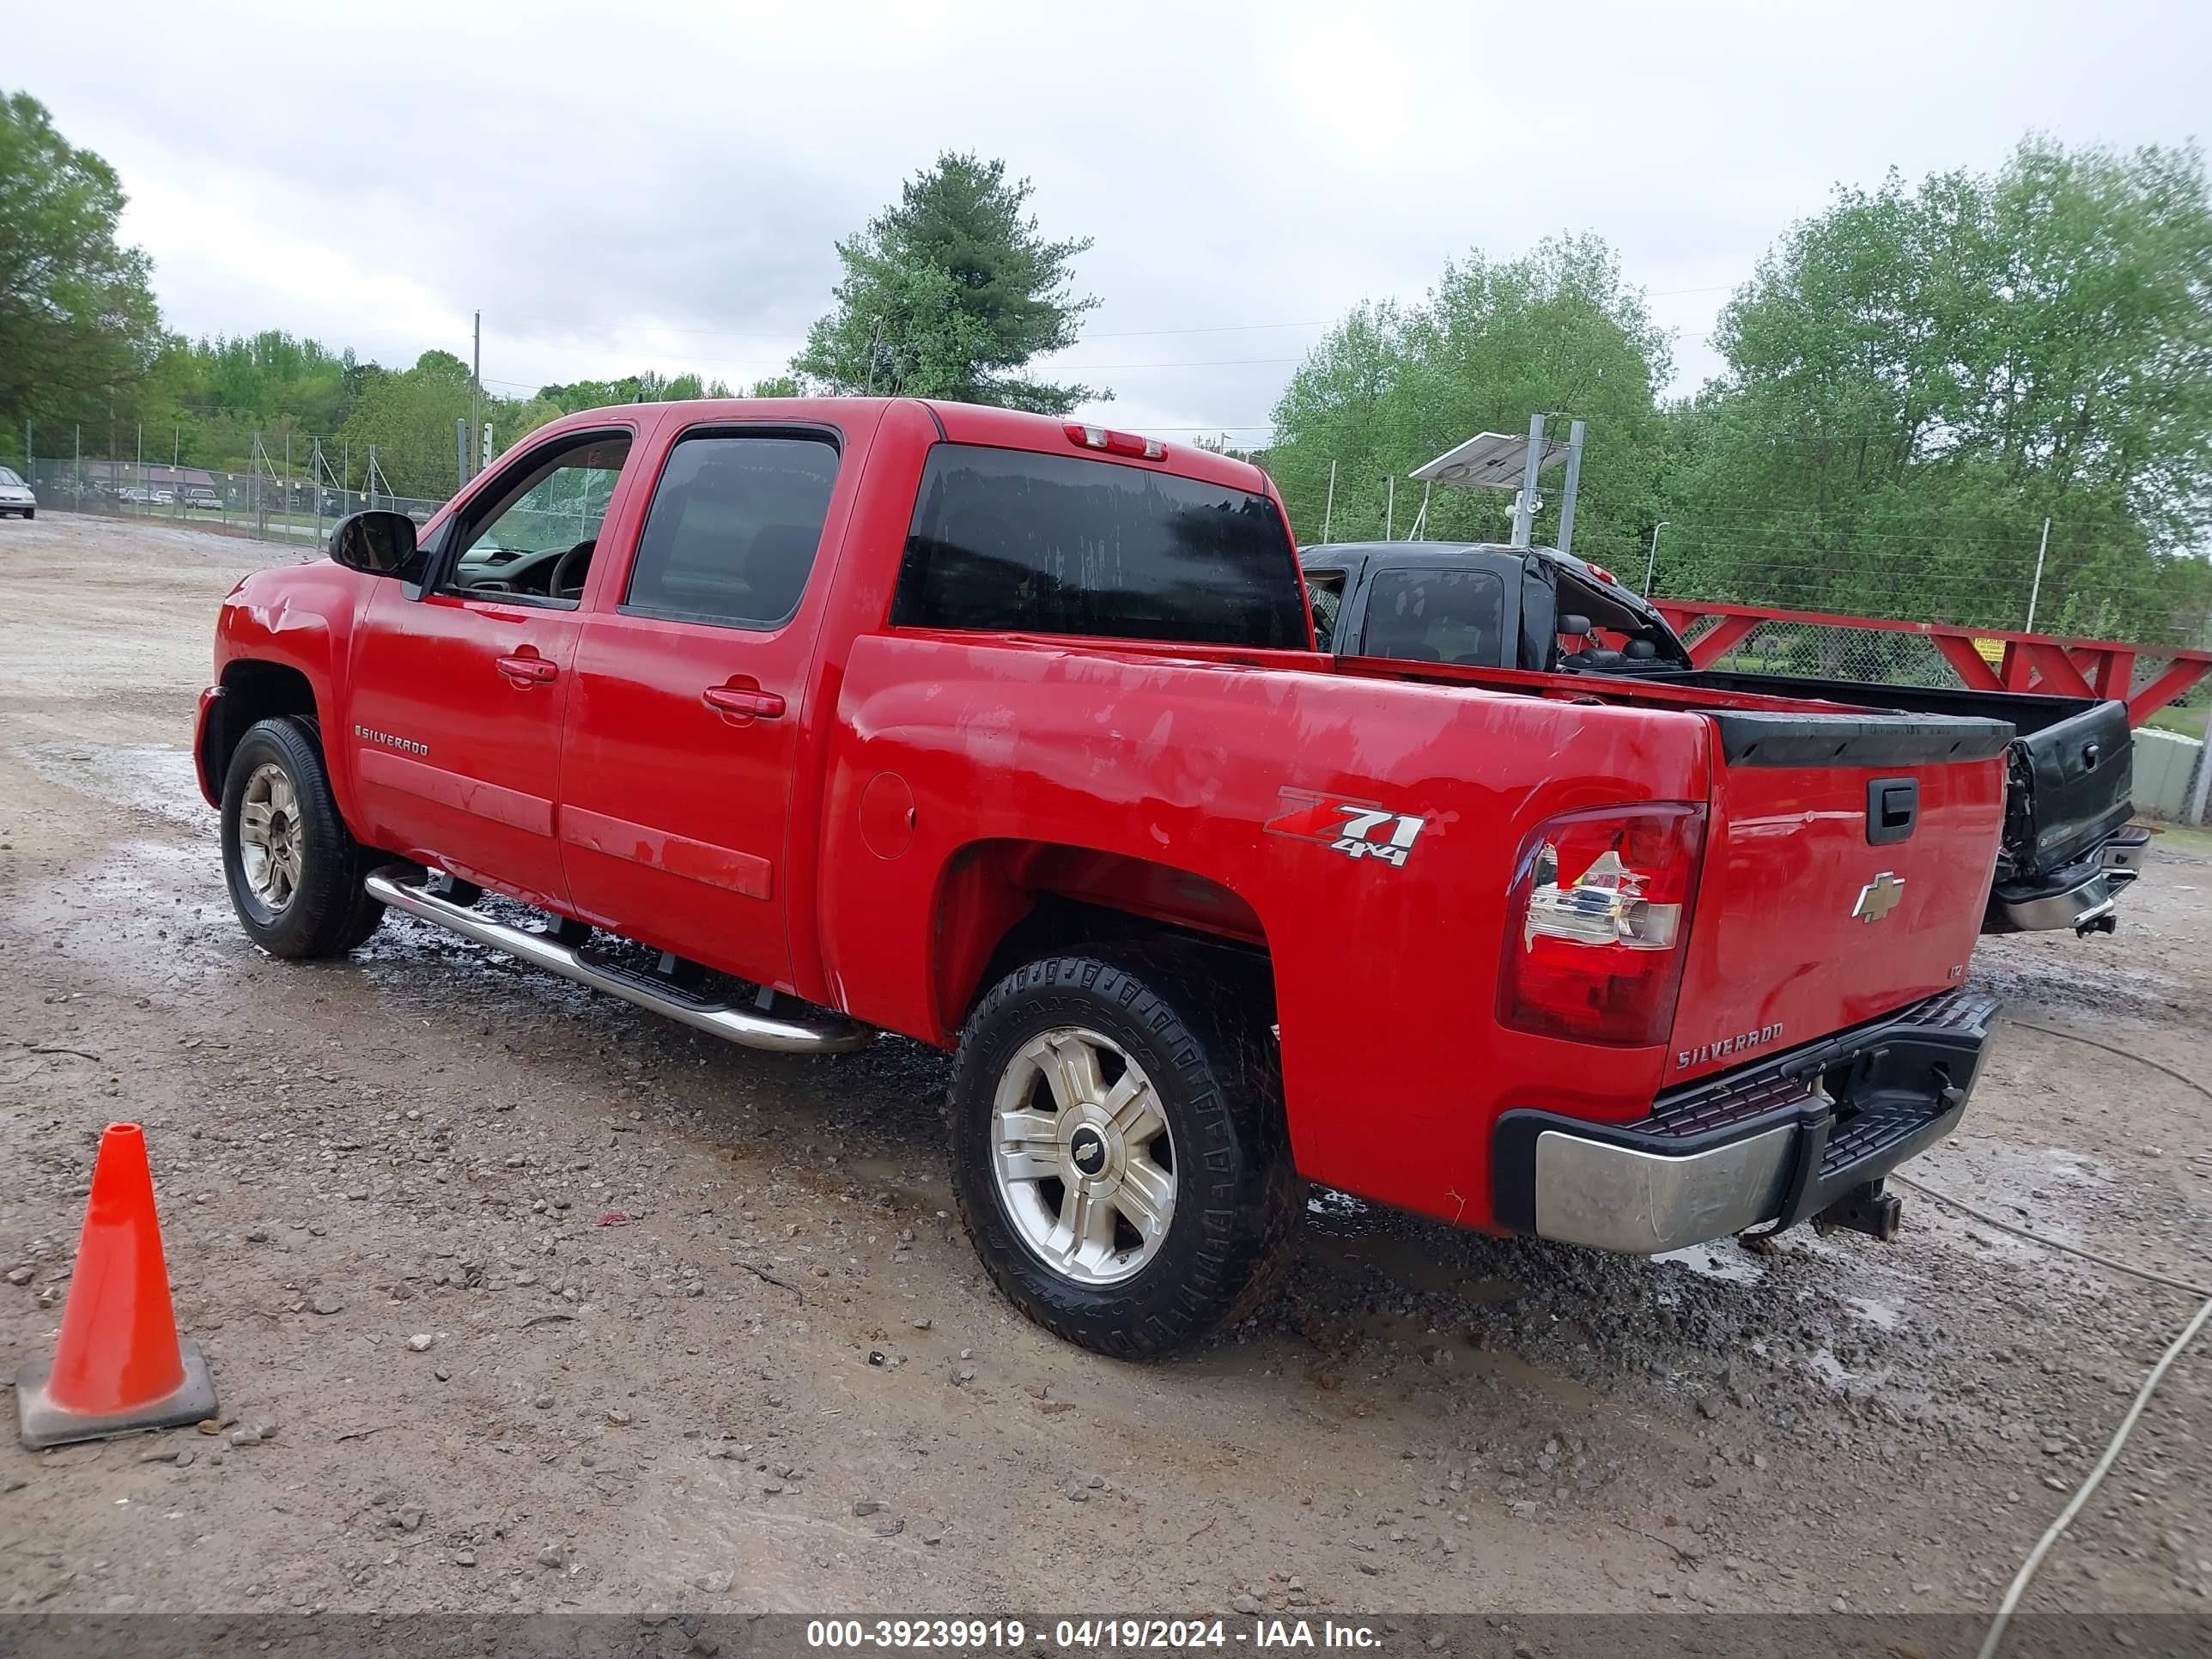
(1119, 1151)
(293, 871)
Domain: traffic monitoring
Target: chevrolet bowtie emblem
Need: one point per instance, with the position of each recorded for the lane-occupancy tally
(1878, 897)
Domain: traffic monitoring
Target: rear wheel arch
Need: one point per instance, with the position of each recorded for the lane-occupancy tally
(1003, 903)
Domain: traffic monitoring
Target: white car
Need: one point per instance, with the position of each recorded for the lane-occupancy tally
(15, 496)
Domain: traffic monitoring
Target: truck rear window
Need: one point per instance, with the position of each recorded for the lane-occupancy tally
(1004, 540)
(1436, 616)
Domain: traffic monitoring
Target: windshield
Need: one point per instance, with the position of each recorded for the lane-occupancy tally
(8, 477)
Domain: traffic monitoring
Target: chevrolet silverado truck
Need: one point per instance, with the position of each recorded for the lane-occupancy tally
(799, 721)
(2068, 848)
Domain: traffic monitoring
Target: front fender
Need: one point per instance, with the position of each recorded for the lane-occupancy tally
(300, 620)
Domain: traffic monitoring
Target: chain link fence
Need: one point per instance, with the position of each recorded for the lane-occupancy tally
(261, 504)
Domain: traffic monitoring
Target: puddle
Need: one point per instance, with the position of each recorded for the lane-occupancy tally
(922, 1191)
(1327, 1201)
(1878, 1314)
(1727, 1261)
(156, 778)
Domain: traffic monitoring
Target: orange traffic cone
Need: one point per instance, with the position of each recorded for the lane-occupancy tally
(119, 1366)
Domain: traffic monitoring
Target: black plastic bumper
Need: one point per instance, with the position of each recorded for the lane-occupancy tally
(1769, 1145)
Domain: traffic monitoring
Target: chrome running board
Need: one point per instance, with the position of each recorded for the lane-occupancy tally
(822, 1032)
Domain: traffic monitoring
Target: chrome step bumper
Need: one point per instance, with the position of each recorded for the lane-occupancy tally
(1775, 1144)
(820, 1032)
(2081, 897)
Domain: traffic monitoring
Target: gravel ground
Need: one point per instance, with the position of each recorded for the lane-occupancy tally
(524, 1300)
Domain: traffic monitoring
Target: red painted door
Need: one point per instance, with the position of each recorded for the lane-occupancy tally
(455, 722)
(686, 718)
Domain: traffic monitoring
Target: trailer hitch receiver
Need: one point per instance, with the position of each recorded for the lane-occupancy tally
(1867, 1208)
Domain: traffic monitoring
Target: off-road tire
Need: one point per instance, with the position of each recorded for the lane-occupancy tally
(329, 912)
(1198, 1026)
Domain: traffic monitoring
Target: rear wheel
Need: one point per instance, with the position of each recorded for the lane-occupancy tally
(293, 871)
(1118, 1147)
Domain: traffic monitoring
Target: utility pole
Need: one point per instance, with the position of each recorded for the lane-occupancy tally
(2035, 593)
(1390, 504)
(2203, 787)
(1525, 504)
(1652, 563)
(1567, 489)
(476, 376)
(142, 491)
(1327, 511)
(80, 466)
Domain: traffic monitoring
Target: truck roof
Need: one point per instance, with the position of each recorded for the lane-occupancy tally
(959, 423)
(1352, 555)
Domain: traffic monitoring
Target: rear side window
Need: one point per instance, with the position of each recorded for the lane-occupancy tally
(1007, 541)
(1325, 592)
(733, 528)
(1436, 616)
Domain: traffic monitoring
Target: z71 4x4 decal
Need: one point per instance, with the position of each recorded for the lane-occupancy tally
(1357, 829)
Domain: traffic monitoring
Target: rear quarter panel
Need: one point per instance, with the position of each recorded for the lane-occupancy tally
(1393, 1065)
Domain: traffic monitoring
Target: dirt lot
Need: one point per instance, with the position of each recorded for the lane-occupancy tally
(783, 1383)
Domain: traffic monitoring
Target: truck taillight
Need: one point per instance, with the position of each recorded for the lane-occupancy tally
(1599, 915)
(1115, 443)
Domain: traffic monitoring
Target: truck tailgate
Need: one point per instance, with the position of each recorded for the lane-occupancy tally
(1846, 864)
(2072, 784)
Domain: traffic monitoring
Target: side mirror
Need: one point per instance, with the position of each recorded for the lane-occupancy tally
(1574, 628)
(376, 543)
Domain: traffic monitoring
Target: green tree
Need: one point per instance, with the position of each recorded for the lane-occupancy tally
(409, 419)
(78, 325)
(952, 293)
(1919, 376)
(1493, 342)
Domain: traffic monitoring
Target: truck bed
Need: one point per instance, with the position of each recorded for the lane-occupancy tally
(2072, 758)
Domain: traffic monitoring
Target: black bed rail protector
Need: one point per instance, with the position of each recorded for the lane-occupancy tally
(1749, 738)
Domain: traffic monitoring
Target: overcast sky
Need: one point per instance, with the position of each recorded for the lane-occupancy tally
(641, 185)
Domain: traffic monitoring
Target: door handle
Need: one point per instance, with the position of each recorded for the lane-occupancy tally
(743, 700)
(527, 671)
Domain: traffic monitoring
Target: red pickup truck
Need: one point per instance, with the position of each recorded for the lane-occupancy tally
(798, 720)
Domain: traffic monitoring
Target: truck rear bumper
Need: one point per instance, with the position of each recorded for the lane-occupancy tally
(2079, 896)
(1774, 1144)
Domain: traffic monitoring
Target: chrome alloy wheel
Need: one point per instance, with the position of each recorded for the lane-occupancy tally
(272, 845)
(1083, 1158)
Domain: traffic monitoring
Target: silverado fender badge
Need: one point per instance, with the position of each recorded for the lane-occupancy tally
(405, 745)
(1878, 898)
(1357, 829)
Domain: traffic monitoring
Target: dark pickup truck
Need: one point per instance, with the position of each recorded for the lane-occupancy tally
(2068, 847)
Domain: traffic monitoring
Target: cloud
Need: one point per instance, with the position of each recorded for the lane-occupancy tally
(656, 186)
